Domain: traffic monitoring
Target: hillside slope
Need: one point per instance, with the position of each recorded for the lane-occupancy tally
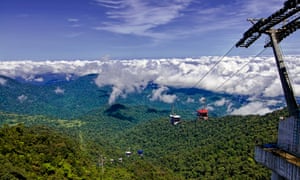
(38, 152)
(215, 149)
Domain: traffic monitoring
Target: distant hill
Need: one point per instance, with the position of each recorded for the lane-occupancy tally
(66, 96)
(63, 99)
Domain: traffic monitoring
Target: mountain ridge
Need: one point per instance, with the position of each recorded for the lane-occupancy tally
(73, 98)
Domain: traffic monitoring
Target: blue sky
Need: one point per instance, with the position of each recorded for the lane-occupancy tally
(127, 29)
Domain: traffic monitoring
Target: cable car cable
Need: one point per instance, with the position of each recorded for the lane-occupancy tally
(222, 57)
(233, 74)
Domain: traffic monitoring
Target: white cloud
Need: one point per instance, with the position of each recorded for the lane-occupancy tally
(229, 107)
(22, 98)
(159, 94)
(151, 18)
(73, 20)
(114, 94)
(221, 102)
(32, 77)
(202, 100)
(68, 77)
(2, 81)
(258, 7)
(39, 79)
(259, 77)
(59, 90)
(258, 108)
(140, 17)
(27, 69)
(190, 100)
(273, 89)
(125, 77)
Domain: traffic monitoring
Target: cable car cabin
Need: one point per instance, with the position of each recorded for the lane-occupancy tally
(140, 152)
(128, 153)
(202, 114)
(175, 119)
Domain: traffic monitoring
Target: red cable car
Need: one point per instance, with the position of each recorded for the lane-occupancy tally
(202, 114)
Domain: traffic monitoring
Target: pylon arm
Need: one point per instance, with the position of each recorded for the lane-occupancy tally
(291, 8)
(285, 31)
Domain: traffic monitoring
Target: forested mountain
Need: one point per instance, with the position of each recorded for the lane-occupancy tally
(214, 149)
(42, 153)
(56, 97)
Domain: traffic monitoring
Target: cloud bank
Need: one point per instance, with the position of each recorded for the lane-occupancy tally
(259, 76)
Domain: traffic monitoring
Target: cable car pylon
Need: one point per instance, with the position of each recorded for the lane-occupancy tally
(277, 157)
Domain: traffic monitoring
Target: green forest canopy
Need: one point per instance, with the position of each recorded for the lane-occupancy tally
(39, 147)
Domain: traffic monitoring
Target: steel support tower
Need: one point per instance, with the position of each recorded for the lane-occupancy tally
(283, 158)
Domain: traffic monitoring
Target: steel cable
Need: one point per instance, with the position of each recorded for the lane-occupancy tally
(222, 57)
(233, 74)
